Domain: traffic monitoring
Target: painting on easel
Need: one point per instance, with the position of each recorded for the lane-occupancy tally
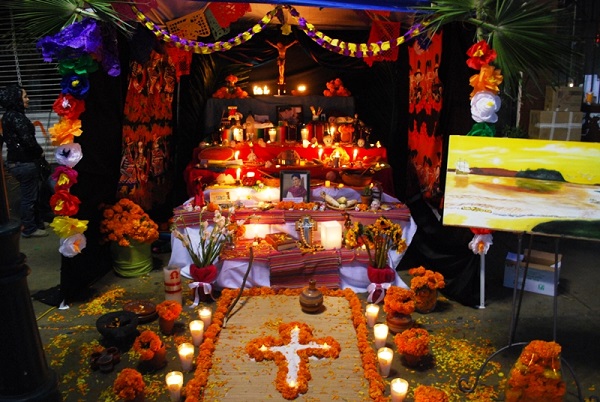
(524, 185)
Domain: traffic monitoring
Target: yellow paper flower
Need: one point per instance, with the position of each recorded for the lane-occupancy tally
(488, 79)
(65, 226)
(65, 131)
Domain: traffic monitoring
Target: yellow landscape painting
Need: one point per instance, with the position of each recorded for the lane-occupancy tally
(523, 185)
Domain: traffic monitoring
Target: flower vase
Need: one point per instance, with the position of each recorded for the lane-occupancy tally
(366, 199)
(425, 300)
(166, 326)
(379, 276)
(133, 260)
(202, 275)
(397, 322)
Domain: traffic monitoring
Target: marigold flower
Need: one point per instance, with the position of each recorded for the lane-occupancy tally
(413, 341)
(169, 309)
(146, 344)
(128, 384)
(399, 300)
(125, 222)
(426, 393)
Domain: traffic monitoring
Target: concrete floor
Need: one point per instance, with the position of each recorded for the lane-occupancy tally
(67, 335)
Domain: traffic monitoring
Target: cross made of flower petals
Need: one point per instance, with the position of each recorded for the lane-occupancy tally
(291, 352)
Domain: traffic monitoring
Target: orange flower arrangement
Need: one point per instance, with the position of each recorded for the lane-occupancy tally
(125, 222)
(426, 393)
(287, 205)
(260, 349)
(536, 375)
(230, 91)
(146, 344)
(488, 79)
(128, 384)
(194, 387)
(413, 341)
(169, 310)
(399, 300)
(425, 278)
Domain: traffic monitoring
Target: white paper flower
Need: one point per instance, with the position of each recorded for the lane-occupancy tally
(484, 106)
(68, 154)
(71, 246)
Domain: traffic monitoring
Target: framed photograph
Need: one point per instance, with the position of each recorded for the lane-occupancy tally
(292, 114)
(294, 185)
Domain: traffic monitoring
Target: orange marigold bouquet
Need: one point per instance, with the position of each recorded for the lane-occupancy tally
(536, 375)
(413, 341)
(169, 310)
(399, 300)
(426, 393)
(379, 238)
(128, 384)
(147, 344)
(125, 222)
(425, 278)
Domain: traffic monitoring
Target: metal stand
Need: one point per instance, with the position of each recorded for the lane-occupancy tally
(463, 382)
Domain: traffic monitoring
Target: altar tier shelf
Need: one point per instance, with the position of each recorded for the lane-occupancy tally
(343, 268)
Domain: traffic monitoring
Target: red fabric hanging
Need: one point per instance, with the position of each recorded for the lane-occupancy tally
(383, 31)
(226, 13)
(181, 59)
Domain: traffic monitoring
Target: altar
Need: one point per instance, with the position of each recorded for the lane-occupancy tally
(338, 268)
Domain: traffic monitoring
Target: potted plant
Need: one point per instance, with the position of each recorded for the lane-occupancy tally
(536, 374)
(367, 195)
(379, 238)
(224, 230)
(398, 304)
(413, 344)
(151, 349)
(427, 393)
(425, 284)
(168, 311)
(130, 232)
(129, 385)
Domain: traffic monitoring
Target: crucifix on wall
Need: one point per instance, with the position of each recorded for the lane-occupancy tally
(281, 49)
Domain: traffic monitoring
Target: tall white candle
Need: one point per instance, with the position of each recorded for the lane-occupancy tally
(238, 174)
(197, 330)
(385, 356)
(172, 280)
(381, 332)
(174, 380)
(186, 356)
(372, 311)
(399, 389)
(272, 135)
(205, 315)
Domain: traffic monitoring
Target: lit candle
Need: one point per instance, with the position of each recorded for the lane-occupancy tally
(355, 154)
(272, 135)
(327, 183)
(381, 333)
(399, 389)
(385, 356)
(238, 173)
(186, 356)
(301, 88)
(372, 311)
(320, 153)
(266, 90)
(263, 348)
(206, 316)
(304, 133)
(174, 381)
(236, 155)
(305, 143)
(197, 330)
(331, 235)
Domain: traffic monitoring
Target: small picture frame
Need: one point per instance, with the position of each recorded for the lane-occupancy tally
(294, 185)
(291, 114)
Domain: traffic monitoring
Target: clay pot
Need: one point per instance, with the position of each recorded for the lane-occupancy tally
(311, 298)
(159, 360)
(397, 322)
(425, 300)
(166, 326)
(411, 360)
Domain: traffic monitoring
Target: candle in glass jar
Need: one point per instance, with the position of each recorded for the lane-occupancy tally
(238, 174)
(197, 330)
(399, 389)
(304, 134)
(320, 153)
(372, 311)
(205, 315)
(186, 356)
(384, 357)
(381, 332)
(272, 135)
(174, 380)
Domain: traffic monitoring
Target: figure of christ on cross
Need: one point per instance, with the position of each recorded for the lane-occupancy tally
(281, 49)
(296, 345)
